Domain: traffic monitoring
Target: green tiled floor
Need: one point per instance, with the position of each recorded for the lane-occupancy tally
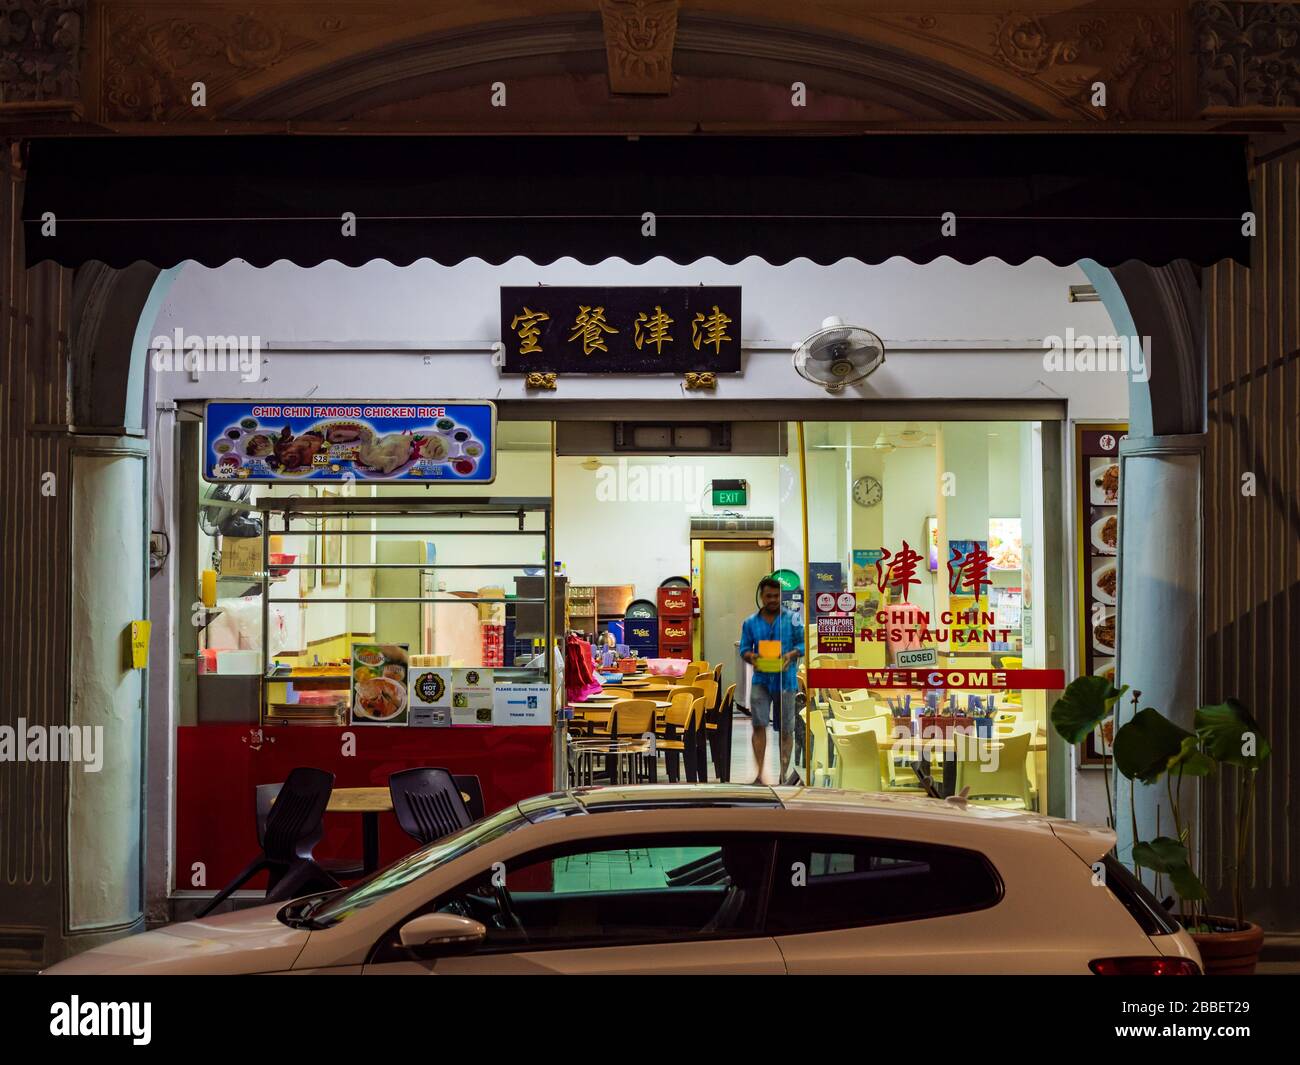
(622, 870)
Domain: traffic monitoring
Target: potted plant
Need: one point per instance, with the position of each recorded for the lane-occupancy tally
(1230, 736)
(1149, 746)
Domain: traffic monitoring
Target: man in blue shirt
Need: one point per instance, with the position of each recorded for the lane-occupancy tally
(778, 688)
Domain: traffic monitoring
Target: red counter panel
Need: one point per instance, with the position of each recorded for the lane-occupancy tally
(218, 766)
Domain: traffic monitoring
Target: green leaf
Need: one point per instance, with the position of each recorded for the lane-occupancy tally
(1084, 705)
(1224, 729)
(1188, 885)
(1191, 760)
(1170, 858)
(1160, 855)
(1146, 746)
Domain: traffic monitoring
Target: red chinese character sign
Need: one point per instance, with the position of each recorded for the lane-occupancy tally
(968, 567)
(896, 571)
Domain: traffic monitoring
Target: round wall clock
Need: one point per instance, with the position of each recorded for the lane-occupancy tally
(867, 491)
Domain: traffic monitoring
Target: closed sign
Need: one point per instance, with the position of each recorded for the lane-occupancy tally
(917, 659)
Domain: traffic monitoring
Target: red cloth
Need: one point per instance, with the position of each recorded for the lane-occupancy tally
(580, 680)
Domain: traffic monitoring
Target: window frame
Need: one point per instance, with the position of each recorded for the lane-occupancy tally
(829, 841)
(387, 947)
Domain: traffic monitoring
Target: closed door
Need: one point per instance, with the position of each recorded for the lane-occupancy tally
(729, 574)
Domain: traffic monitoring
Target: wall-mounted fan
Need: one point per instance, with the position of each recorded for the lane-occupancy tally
(214, 519)
(838, 355)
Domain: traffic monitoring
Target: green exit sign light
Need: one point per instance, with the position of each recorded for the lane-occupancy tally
(730, 493)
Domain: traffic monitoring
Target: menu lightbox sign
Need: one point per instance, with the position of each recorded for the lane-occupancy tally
(1097, 488)
(423, 441)
(621, 329)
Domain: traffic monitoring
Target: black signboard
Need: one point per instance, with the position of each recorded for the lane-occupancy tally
(597, 329)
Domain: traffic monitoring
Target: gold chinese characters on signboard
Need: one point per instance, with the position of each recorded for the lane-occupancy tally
(621, 330)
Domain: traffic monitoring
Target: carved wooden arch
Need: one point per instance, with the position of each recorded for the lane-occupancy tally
(753, 64)
(911, 60)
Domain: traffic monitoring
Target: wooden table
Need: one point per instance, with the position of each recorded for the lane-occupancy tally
(369, 803)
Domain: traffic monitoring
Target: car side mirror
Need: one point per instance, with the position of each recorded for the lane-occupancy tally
(437, 935)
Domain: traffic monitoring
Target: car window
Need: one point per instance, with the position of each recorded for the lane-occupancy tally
(646, 890)
(415, 865)
(1153, 918)
(844, 882)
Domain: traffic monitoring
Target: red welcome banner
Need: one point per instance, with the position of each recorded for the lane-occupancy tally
(937, 678)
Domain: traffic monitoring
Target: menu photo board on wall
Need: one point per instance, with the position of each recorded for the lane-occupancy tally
(1097, 485)
(620, 329)
(419, 441)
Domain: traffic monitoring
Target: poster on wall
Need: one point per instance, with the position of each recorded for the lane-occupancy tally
(521, 704)
(379, 689)
(472, 698)
(864, 567)
(430, 694)
(1097, 487)
(424, 442)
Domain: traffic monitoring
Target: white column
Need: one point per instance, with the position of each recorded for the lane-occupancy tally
(1159, 608)
(109, 590)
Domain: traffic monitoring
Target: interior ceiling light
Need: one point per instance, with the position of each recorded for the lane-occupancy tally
(592, 464)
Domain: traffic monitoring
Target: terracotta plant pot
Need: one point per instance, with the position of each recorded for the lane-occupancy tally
(1231, 953)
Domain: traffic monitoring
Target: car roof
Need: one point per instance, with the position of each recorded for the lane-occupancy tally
(596, 800)
(1089, 842)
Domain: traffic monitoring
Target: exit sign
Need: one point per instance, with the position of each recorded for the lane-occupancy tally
(730, 493)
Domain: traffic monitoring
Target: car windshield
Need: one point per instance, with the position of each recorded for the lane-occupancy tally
(409, 869)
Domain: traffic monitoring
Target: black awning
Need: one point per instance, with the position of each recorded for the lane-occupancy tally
(1112, 197)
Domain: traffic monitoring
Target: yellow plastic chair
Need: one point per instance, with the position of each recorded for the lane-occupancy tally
(858, 756)
(1012, 662)
(999, 777)
(857, 706)
(820, 771)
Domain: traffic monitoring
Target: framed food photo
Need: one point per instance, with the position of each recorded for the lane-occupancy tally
(380, 694)
(1096, 503)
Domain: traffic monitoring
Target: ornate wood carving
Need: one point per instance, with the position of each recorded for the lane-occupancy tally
(40, 49)
(153, 58)
(1248, 55)
(639, 36)
(545, 381)
(139, 59)
(1135, 53)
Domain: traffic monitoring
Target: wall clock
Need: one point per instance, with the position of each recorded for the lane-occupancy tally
(867, 491)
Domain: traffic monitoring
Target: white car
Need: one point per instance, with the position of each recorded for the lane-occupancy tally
(707, 879)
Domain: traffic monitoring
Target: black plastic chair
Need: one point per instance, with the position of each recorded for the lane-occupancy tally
(340, 868)
(293, 825)
(427, 803)
(469, 785)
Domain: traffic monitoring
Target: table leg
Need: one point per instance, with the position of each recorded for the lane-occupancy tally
(949, 774)
(370, 841)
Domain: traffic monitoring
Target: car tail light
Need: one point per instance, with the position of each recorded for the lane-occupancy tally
(1143, 966)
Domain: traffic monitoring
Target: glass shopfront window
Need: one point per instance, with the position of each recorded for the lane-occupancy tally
(925, 553)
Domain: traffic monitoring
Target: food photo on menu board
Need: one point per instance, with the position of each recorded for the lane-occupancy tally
(379, 683)
(1097, 450)
(371, 441)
